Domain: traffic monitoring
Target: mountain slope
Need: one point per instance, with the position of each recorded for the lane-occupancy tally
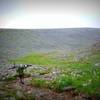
(19, 42)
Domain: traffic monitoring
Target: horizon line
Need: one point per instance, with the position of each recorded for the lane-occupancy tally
(55, 28)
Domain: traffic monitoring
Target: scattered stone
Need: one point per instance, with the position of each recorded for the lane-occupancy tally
(69, 88)
(87, 97)
(36, 75)
(97, 65)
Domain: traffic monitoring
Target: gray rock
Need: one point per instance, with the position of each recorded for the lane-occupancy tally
(36, 75)
(69, 88)
(97, 65)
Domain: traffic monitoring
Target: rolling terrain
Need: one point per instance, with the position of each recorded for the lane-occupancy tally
(61, 60)
(15, 43)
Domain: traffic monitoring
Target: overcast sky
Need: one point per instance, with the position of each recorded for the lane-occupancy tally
(49, 13)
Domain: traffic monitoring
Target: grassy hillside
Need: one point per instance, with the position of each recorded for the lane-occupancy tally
(61, 59)
(83, 74)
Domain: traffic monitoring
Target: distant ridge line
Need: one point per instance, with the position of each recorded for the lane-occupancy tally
(46, 28)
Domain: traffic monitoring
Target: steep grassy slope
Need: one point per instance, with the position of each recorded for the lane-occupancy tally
(15, 43)
(20, 42)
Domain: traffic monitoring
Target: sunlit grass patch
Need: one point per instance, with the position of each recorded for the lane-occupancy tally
(37, 59)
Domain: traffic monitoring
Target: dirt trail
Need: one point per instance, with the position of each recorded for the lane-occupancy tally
(41, 93)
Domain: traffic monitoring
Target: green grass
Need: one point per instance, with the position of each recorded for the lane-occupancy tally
(76, 73)
(38, 59)
(40, 83)
(60, 82)
(10, 78)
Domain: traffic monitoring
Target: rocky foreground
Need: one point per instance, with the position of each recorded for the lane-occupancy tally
(14, 90)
